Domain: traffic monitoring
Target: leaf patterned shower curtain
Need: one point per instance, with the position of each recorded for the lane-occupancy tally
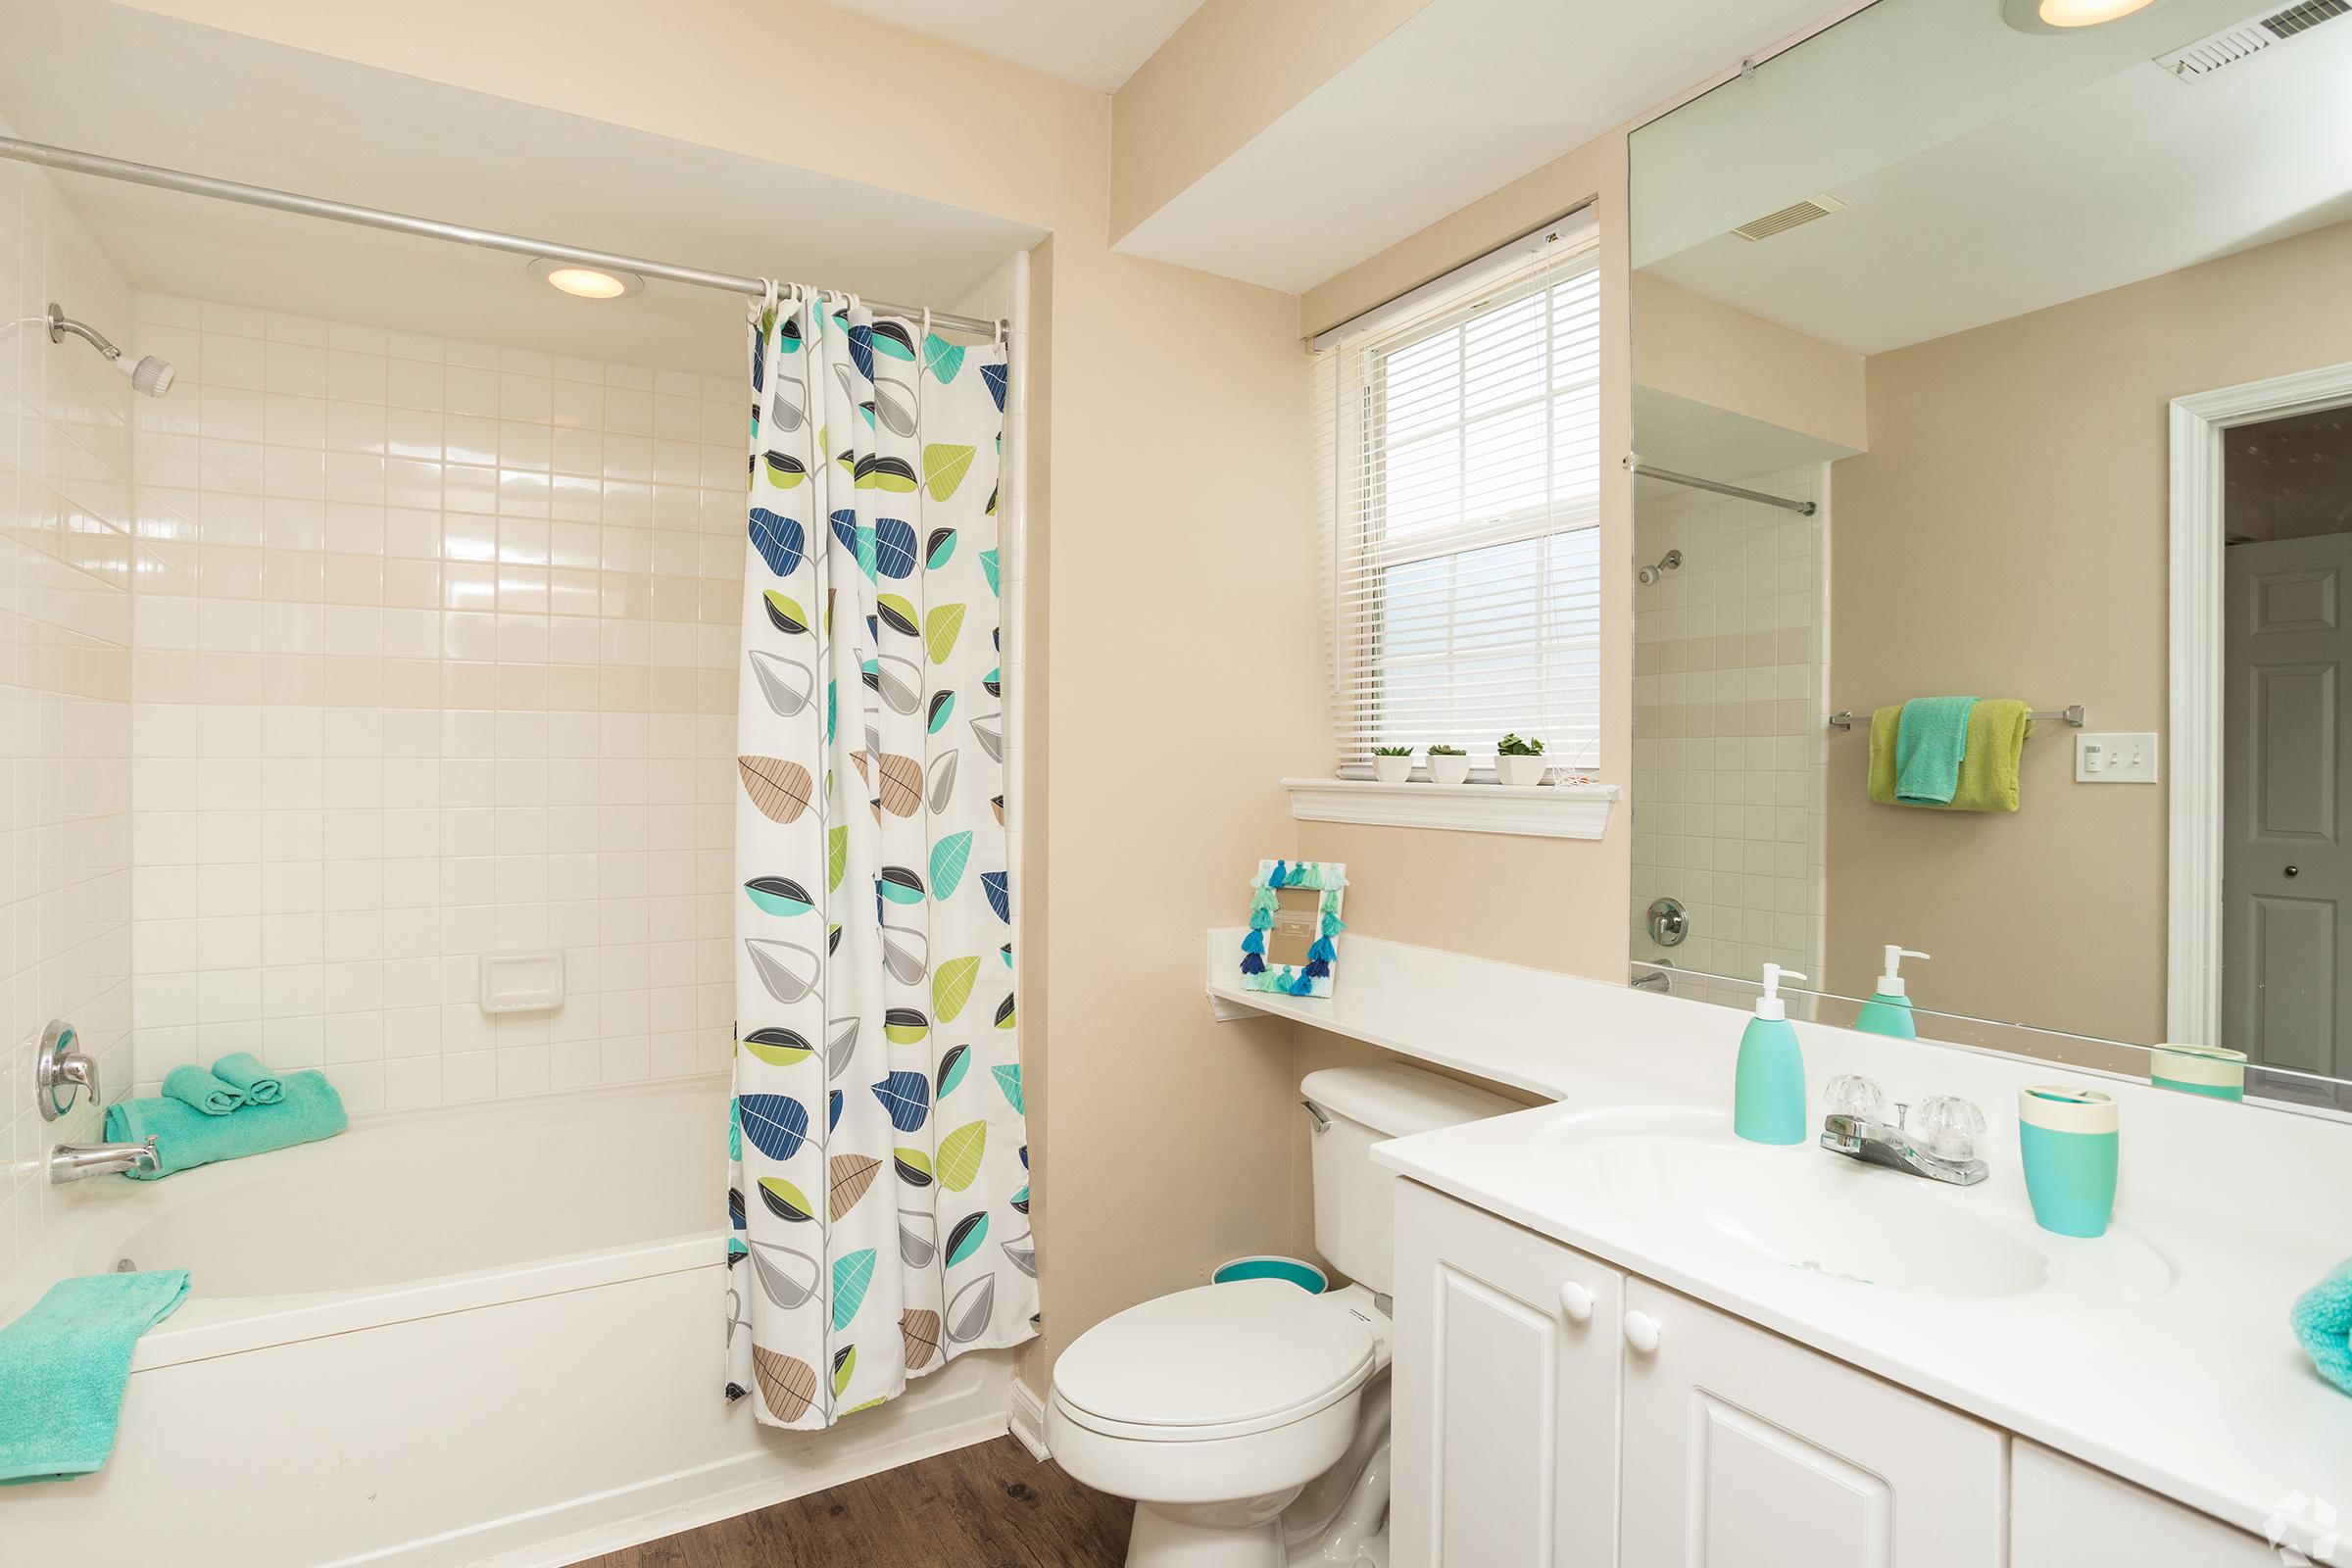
(878, 1179)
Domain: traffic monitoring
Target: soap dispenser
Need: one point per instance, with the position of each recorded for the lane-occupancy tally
(1888, 1009)
(1768, 1099)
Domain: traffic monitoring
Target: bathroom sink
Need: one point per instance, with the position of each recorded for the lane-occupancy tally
(1805, 1207)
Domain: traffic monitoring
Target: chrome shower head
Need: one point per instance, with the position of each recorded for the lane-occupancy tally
(148, 374)
(1672, 561)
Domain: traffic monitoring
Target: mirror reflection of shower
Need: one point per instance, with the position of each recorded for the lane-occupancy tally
(1671, 561)
(148, 374)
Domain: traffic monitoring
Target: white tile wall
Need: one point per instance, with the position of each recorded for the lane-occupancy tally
(64, 681)
(435, 657)
(1729, 750)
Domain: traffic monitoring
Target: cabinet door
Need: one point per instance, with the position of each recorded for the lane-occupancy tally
(1505, 1387)
(2062, 1515)
(1744, 1450)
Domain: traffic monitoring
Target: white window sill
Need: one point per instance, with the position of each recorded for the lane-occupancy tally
(1533, 810)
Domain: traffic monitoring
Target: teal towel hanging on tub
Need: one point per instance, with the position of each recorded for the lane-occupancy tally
(2322, 1322)
(185, 1136)
(64, 1364)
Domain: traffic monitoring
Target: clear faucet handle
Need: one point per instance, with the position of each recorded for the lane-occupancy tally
(1853, 1095)
(1947, 1126)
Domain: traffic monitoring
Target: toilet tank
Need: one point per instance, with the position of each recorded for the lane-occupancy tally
(1354, 1216)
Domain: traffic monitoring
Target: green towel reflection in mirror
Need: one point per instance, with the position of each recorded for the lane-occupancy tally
(1989, 767)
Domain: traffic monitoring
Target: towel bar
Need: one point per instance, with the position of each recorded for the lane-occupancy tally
(2071, 715)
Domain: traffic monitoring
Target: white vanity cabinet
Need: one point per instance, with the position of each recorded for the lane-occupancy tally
(1551, 1411)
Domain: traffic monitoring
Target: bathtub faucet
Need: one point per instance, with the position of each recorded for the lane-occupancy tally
(78, 1162)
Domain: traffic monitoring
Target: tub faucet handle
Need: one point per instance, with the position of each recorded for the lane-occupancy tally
(61, 1072)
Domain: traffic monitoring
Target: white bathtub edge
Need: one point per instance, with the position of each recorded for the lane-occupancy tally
(912, 1428)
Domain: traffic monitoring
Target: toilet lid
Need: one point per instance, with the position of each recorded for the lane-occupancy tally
(1216, 1357)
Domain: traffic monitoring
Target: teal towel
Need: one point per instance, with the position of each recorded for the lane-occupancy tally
(193, 1086)
(2322, 1321)
(243, 1072)
(63, 1366)
(185, 1136)
(1929, 740)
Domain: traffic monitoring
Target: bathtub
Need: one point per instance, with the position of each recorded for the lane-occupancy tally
(482, 1335)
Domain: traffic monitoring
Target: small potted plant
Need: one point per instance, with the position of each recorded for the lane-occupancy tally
(1392, 764)
(1519, 761)
(1449, 764)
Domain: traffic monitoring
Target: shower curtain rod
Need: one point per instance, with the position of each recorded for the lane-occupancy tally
(285, 201)
(1803, 508)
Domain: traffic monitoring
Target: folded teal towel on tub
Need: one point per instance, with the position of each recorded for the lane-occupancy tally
(2323, 1320)
(242, 1071)
(1929, 740)
(185, 1136)
(63, 1366)
(193, 1086)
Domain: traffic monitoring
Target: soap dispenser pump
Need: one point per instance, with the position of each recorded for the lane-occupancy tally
(1768, 1099)
(1888, 1009)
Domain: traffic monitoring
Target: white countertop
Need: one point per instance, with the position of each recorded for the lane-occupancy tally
(2201, 1393)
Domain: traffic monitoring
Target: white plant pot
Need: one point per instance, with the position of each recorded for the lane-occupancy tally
(1391, 769)
(1448, 769)
(1520, 770)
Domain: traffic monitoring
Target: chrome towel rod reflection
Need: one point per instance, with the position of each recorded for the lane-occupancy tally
(2071, 715)
(1803, 508)
(287, 201)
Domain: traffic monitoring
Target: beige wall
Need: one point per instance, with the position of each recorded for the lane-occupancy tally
(1151, 384)
(2006, 534)
(1703, 349)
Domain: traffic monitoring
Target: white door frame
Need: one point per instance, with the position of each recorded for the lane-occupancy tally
(2193, 946)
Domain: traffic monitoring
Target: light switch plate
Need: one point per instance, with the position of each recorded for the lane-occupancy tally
(2125, 758)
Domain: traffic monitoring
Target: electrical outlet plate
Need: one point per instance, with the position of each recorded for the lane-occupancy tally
(2116, 759)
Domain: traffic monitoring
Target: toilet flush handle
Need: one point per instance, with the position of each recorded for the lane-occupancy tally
(1322, 1121)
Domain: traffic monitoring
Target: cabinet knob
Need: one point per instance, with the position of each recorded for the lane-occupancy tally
(1641, 1332)
(1576, 1302)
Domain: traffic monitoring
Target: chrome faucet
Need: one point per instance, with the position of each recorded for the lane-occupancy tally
(78, 1162)
(1943, 1150)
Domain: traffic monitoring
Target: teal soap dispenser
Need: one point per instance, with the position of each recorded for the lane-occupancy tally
(1888, 1009)
(1768, 1098)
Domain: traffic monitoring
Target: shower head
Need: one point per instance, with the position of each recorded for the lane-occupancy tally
(1672, 561)
(148, 374)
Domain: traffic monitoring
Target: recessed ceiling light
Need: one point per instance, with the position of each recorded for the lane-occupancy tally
(2066, 15)
(585, 282)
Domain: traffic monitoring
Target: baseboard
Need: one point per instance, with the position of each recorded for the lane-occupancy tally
(1029, 1420)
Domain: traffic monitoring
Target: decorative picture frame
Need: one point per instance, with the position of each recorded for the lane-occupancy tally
(1290, 947)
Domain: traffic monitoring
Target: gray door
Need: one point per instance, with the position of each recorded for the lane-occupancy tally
(2286, 876)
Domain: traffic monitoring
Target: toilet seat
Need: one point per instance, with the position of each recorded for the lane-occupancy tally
(1216, 1361)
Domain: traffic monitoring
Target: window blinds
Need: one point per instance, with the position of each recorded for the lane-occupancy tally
(1458, 453)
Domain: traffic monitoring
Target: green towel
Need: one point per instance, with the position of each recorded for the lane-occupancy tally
(243, 1072)
(193, 1086)
(1931, 741)
(63, 1366)
(1996, 742)
(185, 1136)
(2323, 1324)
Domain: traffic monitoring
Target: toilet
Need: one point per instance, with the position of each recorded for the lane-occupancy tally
(1249, 1421)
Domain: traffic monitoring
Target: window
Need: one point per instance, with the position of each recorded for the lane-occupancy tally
(1461, 474)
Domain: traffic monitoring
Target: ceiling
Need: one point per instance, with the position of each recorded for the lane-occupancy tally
(2124, 175)
(1686, 437)
(131, 84)
(1461, 99)
(1095, 43)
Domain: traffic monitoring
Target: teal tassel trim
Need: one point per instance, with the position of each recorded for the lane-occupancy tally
(1322, 951)
(1255, 942)
(1333, 925)
(1266, 899)
(1279, 876)
(1301, 986)
(1261, 919)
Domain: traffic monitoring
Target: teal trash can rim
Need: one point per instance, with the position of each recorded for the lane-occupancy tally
(1272, 1266)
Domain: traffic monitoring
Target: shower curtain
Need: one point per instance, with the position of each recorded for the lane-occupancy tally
(878, 1190)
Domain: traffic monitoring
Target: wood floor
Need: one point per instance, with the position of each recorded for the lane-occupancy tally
(987, 1506)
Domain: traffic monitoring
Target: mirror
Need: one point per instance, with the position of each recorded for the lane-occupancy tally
(1976, 357)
